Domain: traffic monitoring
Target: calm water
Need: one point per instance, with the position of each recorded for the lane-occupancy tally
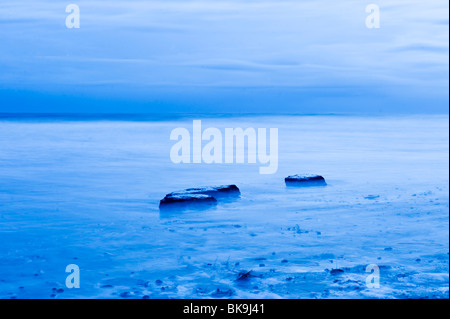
(87, 193)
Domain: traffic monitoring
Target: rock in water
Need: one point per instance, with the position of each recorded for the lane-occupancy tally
(182, 198)
(336, 271)
(305, 180)
(199, 195)
(215, 191)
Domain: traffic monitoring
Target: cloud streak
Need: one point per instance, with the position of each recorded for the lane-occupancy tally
(224, 43)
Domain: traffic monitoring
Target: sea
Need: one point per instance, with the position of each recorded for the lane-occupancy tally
(84, 190)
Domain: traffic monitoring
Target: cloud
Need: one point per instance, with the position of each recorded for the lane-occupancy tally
(237, 43)
(423, 47)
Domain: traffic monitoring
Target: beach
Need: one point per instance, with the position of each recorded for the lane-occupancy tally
(87, 192)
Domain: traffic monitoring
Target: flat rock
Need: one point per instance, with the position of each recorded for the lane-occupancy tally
(186, 199)
(199, 195)
(305, 180)
(215, 191)
(336, 271)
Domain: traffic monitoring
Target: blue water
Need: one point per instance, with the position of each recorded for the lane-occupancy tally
(86, 192)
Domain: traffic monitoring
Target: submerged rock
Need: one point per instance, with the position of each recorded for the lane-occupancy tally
(244, 276)
(187, 199)
(199, 195)
(336, 271)
(305, 180)
(222, 292)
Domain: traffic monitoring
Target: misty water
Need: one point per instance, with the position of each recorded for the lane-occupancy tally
(87, 193)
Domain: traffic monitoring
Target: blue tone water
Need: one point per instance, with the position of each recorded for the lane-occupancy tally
(87, 193)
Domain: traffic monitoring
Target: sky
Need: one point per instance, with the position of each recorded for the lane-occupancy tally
(218, 56)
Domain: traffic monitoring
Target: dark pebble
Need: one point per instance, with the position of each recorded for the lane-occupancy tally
(336, 271)
(219, 293)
